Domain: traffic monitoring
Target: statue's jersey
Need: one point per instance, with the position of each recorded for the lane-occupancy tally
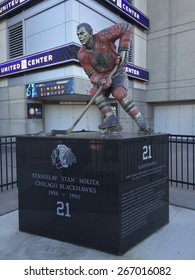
(100, 61)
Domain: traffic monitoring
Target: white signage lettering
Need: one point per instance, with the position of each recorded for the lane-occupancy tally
(10, 5)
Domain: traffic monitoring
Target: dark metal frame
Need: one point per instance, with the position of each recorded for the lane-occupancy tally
(182, 161)
(8, 176)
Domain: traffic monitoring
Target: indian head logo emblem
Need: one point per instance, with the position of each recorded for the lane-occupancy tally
(62, 157)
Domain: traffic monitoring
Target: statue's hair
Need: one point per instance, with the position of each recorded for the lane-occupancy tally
(87, 27)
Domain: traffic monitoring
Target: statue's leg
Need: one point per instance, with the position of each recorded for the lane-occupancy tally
(102, 102)
(129, 106)
(104, 106)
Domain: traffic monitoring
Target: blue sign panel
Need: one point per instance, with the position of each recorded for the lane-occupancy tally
(10, 5)
(122, 5)
(130, 11)
(64, 54)
(50, 88)
(61, 55)
(34, 111)
(137, 72)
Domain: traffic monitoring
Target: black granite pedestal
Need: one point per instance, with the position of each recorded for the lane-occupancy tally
(103, 192)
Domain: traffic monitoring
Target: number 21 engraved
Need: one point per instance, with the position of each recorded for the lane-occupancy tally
(147, 152)
(63, 209)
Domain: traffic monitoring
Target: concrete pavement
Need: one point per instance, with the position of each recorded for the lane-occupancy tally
(8, 200)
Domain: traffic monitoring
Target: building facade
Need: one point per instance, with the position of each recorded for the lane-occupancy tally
(170, 60)
(43, 86)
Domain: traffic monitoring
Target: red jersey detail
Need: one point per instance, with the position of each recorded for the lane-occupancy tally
(100, 61)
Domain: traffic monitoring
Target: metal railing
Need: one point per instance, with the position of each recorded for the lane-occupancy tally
(8, 176)
(182, 161)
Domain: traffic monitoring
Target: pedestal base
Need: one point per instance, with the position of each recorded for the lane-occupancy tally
(107, 194)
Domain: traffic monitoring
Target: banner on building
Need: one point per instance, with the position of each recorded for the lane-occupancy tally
(57, 56)
(64, 54)
(10, 5)
(50, 88)
(136, 72)
(34, 111)
(125, 8)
